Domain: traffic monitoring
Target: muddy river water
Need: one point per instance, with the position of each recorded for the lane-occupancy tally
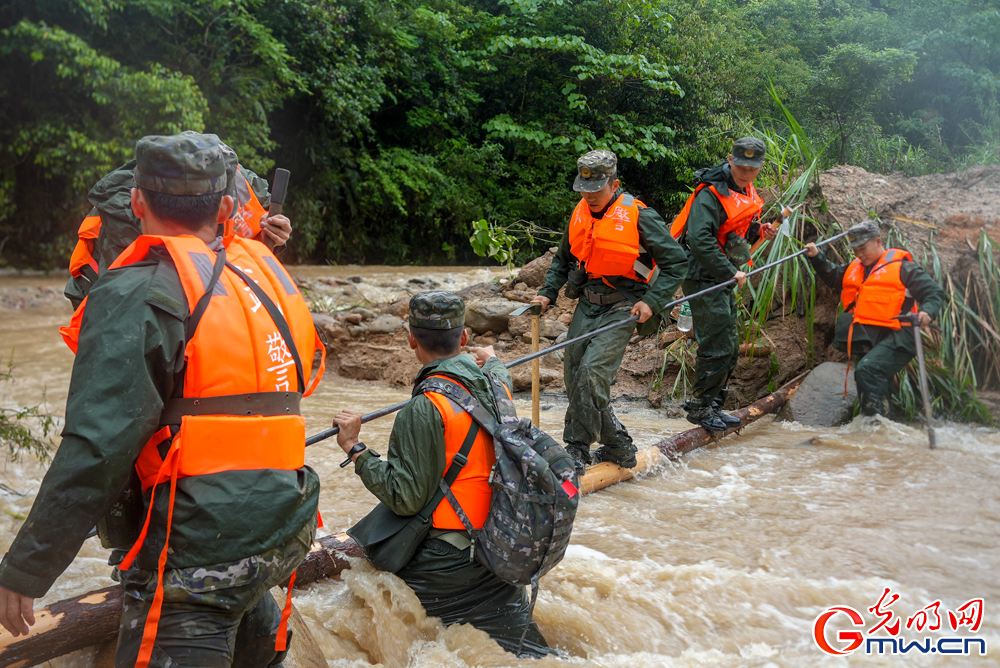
(723, 558)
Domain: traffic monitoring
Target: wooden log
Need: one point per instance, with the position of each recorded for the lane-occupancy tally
(92, 618)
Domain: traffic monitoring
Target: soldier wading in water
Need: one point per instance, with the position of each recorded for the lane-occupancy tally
(620, 260)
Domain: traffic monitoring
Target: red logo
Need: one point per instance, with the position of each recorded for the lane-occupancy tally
(927, 619)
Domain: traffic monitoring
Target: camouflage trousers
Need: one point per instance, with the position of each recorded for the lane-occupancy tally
(717, 334)
(589, 369)
(217, 616)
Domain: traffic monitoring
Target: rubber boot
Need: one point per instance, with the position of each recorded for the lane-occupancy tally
(706, 418)
(622, 455)
(581, 457)
(729, 420)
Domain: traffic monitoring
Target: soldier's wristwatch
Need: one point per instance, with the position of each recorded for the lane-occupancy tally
(356, 450)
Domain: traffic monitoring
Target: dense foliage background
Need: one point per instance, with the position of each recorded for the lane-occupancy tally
(403, 121)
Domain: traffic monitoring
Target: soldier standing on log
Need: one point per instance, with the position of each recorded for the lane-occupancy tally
(877, 286)
(718, 222)
(620, 259)
(184, 363)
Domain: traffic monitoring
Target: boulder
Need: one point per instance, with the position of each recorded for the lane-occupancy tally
(551, 329)
(533, 273)
(488, 315)
(479, 290)
(385, 324)
(820, 400)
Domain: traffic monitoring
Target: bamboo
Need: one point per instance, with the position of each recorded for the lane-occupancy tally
(535, 380)
(92, 618)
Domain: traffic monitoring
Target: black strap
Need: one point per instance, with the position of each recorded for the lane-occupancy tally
(613, 280)
(267, 404)
(279, 321)
(199, 309)
(604, 299)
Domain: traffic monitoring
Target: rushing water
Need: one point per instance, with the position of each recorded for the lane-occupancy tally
(724, 558)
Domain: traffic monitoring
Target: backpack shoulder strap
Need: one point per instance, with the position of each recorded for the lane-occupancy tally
(462, 399)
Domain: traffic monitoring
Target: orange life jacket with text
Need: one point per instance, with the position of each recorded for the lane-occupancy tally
(875, 300)
(471, 488)
(609, 246)
(741, 211)
(235, 357)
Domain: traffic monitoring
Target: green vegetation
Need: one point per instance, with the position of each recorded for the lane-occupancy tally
(19, 428)
(404, 121)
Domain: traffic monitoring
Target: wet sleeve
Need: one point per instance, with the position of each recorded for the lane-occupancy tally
(668, 254)
(703, 225)
(407, 478)
(830, 273)
(121, 375)
(930, 297)
(555, 278)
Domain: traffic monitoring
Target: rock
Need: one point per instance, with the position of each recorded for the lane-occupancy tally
(364, 313)
(519, 324)
(820, 400)
(562, 337)
(551, 329)
(533, 273)
(565, 318)
(485, 341)
(668, 336)
(485, 315)
(385, 324)
(418, 281)
(323, 320)
(357, 331)
(355, 279)
(353, 318)
(521, 286)
(479, 290)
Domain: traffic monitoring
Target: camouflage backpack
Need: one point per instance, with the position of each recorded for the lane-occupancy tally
(534, 491)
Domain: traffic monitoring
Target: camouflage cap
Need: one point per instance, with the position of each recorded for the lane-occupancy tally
(184, 164)
(862, 233)
(748, 152)
(593, 170)
(437, 310)
(232, 162)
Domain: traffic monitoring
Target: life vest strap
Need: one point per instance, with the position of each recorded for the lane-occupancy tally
(267, 404)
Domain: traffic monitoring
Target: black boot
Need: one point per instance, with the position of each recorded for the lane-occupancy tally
(622, 455)
(581, 457)
(706, 418)
(729, 420)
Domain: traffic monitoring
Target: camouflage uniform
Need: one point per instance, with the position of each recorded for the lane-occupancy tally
(589, 367)
(714, 315)
(250, 524)
(879, 353)
(448, 584)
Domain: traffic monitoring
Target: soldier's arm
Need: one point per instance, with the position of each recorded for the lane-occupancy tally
(703, 225)
(555, 278)
(407, 478)
(668, 254)
(830, 273)
(127, 356)
(494, 367)
(930, 297)
(260, 187)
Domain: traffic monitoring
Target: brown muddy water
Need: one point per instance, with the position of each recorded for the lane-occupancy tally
(724, 558)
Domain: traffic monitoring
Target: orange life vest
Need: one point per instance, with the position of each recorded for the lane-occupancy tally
(741, 210)
(83, 254)
(236, 352)
(876, 300)
(471, 488)
(609, 246)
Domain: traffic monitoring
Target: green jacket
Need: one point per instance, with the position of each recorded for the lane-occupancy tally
(112, 197)
(922, 287)
(408, 477)
(131, 346)
(655, 238)
(709, 264)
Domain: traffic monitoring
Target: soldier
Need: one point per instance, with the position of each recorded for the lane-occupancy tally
(718, 223)
(111, 226)
(620, 259)
(183, 363)
(425, 437)
(875, 287)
